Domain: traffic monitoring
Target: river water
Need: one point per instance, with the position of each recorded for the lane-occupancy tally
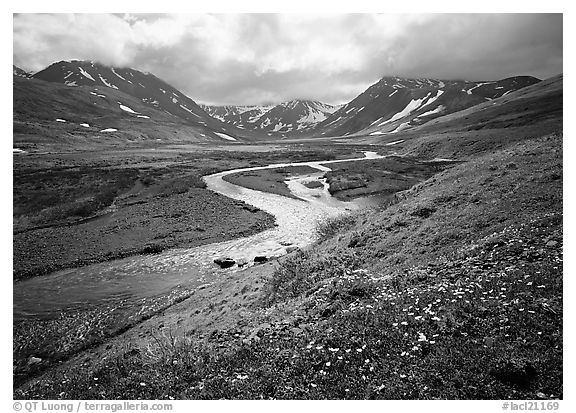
(130, 281)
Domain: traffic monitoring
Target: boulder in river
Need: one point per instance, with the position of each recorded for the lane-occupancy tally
(291, 248)
(242, 262)
(260, 259)
(225, 262)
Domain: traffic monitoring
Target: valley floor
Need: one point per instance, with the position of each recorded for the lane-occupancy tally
(452, 292)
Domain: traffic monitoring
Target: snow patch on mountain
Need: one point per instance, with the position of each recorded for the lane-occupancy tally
(86, 74)
(127, 109)
(113, 71)
(224, 136)
(410, 107)
(106, 82)
(432, 112)
(432, 99)
(469, 91)
(400, 127)
(188, 110)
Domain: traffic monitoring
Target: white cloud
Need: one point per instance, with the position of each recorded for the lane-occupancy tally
(226, 58)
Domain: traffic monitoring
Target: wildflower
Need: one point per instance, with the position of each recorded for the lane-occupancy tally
(142, 384)
(404, 323)
(402, 376)
(333, 350)
(319, 348)
(313, 385)
(328, 364)
(394, 324)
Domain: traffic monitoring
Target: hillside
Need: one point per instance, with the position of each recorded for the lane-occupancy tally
(394, 104)
(145, 87)
(52, 115)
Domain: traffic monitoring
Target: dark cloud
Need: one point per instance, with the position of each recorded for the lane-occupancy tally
(255, 58)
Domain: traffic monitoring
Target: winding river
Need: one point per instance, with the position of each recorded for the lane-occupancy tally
(131, 281)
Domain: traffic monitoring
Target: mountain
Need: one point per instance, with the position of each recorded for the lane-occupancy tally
(291, 117)
(20, 72)
(394, 104)
(147, 88)
(240, 116)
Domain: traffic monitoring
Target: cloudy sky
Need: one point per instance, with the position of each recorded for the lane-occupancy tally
(263, 58)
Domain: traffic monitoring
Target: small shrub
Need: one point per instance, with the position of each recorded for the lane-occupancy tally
(332, 226)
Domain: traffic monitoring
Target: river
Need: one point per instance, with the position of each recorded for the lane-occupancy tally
(131, 281)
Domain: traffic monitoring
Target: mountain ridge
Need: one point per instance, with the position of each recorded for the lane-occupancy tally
(145, 86)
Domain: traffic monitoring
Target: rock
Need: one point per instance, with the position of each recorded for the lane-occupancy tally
(250, 208)
(34, 360)
(225, 262)
(153, 249)
(488, 341)
(423, 211)
(241, 262)
(260, 259)
(285, 243)
(518, 372)
(357, 240)
(551, 243)
(541, 395)
(291, 248)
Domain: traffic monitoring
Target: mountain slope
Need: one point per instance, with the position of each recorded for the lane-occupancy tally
(393, 104)
(46, 113)
(146, 87)
(295, 116)
(20, 72)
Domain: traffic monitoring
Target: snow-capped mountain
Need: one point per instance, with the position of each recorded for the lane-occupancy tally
(285, 118)
(20, 72)
(241, 116)
(394, 104)
(146, 87)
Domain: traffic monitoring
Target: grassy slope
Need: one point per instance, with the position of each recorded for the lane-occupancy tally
(453, 292)
(469, 260)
